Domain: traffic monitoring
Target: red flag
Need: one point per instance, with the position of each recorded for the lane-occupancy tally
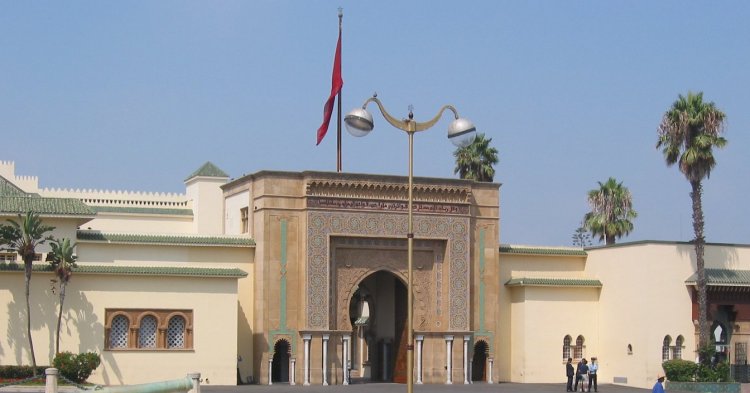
(336, 84)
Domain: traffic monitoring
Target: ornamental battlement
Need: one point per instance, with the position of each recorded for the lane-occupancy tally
(352, 189)
(93, 197)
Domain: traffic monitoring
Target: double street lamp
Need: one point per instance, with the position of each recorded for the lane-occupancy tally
(461, 133)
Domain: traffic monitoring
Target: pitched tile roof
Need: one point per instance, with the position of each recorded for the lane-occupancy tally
(9, 189)
(208, 170)
(135, 270)
(554, 282)
(171, 240)
(537, 250)
(142, 210)
(723, 277)
(44, 206)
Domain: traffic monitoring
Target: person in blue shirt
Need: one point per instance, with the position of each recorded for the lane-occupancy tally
(658, 387)
(593, 368)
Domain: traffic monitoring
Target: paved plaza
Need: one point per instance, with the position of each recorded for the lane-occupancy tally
(400, 388)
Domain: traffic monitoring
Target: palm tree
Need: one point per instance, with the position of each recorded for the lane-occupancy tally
(22, 237)
(689, 131)
(475, 161)
(62, 261)
(611, 212)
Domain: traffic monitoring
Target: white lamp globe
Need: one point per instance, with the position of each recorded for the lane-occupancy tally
(461, 132)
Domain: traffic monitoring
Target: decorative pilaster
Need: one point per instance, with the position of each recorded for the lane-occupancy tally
(420, 344)
(449, 360)
(306, 338)
(326, 337)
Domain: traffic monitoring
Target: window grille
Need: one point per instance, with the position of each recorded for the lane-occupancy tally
(566, 347)
(118, 335)
(677, 350)
(176, 332)
(665, 348)
(740, 353)
(147, 332)
(8, 257)
(578, 350)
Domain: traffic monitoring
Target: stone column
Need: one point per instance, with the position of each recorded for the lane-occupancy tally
(270, 367)
(292, 369)
(51, 380)
(306, 339)
(347, 353)
(449, 359)
(489, 371)
(467, 338)
(420, 343)
(196, 378)
(326, 337)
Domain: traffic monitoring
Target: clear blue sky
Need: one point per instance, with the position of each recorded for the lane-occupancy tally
(136, 95)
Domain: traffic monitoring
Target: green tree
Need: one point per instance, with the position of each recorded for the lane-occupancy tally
(689, 131)
(476, 161)
(22, 237)
(611, 212)
(63, 260)
(581, 237)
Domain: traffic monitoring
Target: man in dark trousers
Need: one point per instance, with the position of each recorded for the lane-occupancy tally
(569, 372)
(593, 369)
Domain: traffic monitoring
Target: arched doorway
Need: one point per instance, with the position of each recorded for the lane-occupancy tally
(280, 363)
(377, 311)
(479, 361)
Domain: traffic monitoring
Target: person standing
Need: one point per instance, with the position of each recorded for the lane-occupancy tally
(582, 371)
(569, 372)
(658, 388)
(593, 368)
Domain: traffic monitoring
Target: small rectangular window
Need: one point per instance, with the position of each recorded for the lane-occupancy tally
(244, 220)
(8, 257)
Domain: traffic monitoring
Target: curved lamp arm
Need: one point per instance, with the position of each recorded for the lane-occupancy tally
(409, 125)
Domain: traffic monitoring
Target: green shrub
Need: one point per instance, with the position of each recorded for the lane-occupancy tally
(76, 367)
(20, 372)
(679, 370)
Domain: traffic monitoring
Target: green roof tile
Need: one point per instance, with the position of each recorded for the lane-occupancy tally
(536, 250)
(723, 277)
(173, 240)
(44, 206)
(135, 270)
(208, 170)
(9, 189)
(142, 210)
(554, 282)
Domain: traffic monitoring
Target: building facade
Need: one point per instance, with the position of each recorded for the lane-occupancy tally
(301, 278)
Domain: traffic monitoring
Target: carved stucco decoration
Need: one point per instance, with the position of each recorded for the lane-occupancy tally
(337, 188)
(322, 225)
(353, 265)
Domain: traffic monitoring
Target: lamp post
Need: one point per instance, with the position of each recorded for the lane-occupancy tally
(461, 132)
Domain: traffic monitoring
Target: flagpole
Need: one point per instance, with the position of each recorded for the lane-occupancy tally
(338, 123)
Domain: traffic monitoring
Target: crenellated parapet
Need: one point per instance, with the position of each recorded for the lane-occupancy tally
(94, 197)
(29, 184)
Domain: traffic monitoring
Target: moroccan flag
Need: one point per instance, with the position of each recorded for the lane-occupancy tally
(336, 84)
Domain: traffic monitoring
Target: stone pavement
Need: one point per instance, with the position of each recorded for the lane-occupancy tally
(400, 388)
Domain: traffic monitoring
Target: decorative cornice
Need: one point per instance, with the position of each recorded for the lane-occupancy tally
(368, 190)
(135, 270)
(554, 282)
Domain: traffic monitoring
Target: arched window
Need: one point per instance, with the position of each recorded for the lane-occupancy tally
(176, 332)
(665, 348)
(118, 333)
(147, 332)
(677, 349)
(566, 347)
(578, 351)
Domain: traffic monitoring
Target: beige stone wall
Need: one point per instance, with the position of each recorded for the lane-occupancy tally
(213, 301)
